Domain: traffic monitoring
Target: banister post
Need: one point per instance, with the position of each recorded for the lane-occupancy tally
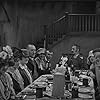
(67, 19)
(45, 36)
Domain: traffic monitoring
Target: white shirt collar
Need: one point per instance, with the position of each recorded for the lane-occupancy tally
(31, 58)
(75, 56)
(22, 67)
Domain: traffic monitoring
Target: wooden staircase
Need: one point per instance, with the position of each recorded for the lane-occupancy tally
(71, 25)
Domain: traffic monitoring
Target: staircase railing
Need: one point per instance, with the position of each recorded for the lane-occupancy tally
(72, 23)
(83, 22)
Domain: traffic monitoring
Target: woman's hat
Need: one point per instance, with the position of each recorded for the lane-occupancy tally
(8, 49)
(16, 52)
(41, 51)
(3, 55)
(25, 53)
(49, 53)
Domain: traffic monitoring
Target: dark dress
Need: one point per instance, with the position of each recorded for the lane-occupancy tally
(7, 91)
(24, 76)
(43, 64)
(16, 85)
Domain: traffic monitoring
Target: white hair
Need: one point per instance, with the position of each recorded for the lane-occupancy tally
(31, 46)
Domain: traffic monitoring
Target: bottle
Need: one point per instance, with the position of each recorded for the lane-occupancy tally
(67, 75)
(74, 91)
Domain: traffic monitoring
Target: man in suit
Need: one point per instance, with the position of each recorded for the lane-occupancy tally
(32, 65)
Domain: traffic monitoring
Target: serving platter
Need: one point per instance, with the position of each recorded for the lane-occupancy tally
(48, 76)
(83, 89)
(85, 96)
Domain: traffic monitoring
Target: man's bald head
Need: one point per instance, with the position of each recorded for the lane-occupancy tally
(31, 49)
(30, 46)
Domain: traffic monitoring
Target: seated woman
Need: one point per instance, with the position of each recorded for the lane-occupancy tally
(23, 69)
(18, 83)
(6, 85)
(42, 62)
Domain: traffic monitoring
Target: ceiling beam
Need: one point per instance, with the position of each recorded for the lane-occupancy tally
(45, 0)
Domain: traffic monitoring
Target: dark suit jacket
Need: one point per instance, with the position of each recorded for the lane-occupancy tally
(78, 62)
(24, 76)
(32, 65)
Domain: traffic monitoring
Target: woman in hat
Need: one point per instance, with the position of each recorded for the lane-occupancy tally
(18, 83)
(6, 85)
(23, 69)
(8, 50)
(41, 61)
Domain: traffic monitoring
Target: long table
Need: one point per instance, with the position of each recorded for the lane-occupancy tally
(43, 80)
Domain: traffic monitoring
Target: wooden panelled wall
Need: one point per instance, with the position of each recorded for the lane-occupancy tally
(28, 18)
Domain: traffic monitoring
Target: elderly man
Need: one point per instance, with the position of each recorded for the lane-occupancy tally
(96, 53)
(96, 70)
(32, 65)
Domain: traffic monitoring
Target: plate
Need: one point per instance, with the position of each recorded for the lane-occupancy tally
(79, 83)
(85, 96)
(30, 93)
(40, 84)
(85, 89)
(49, 93)
(48, 76)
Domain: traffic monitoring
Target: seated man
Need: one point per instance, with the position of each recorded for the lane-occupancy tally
(32, 65)
(76, 61)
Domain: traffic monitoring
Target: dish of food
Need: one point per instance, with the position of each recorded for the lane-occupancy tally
(48, 76)
(28, 93)
(79, 83)
(88, 96)
(83, 89)
(40, 84)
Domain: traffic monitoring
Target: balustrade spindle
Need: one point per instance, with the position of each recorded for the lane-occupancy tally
(95, 23)
(74, 27)
(92, 24)
(71, 23)
(98, 22)
(80, 23)
(76, 24)
(89, 23)
(85, 23)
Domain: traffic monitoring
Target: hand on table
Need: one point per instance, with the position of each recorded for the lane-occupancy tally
(91, 74)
